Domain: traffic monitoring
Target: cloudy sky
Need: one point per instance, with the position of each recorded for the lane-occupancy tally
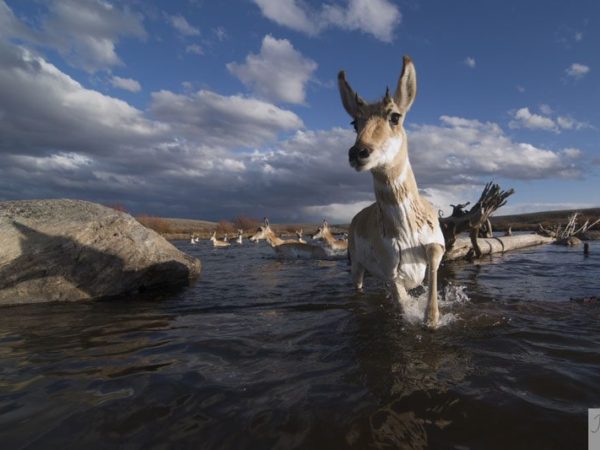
(206, 109)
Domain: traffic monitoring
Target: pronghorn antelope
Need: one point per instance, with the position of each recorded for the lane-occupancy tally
(398, 237)
(218, 243)
(299, 234)
(287, 249)
(239, 238)
(324, 232)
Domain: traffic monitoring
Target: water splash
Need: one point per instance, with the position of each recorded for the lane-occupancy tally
(452, 295)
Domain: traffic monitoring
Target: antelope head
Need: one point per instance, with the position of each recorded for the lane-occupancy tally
(261, 232)
(380, 134)
(321, 231)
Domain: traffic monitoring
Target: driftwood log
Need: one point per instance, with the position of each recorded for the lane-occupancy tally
(569, 234)
(475, 219)
(463, 246)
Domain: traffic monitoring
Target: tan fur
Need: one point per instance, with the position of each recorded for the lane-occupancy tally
(398, 238)
(325, 233)
(299, 234)
(218, 243)
(287, 249)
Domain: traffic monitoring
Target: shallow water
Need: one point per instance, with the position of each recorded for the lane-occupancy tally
(261, 353)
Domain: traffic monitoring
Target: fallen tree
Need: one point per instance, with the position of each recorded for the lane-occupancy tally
(569, 235)
(463, 247)
(475, 219)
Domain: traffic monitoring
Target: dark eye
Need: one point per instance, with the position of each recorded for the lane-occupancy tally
(395, 118)
(353, 123)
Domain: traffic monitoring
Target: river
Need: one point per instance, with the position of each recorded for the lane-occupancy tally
(261, 353)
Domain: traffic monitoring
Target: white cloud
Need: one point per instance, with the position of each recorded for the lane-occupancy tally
(577, 71)
(335, 212)
(220, 33)
(524, 208)
(220, 120)
(523, 118)
(520, 88)
(376, 17)
(84, 32)
(40, 100)
(578, 36)
(182, 26)
(572, 152)
(568, 123)
(470, 62)
(278, 73)
(221, 155)
(463, 152)
(128, 84)
(194, 49)
(289, 13)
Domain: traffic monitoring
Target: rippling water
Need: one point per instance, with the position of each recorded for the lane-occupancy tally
(261, 353)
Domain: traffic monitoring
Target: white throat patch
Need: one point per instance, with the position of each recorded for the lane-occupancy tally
(390, 150)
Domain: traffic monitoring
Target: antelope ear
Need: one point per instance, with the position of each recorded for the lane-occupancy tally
(407, 85)
(350, 99)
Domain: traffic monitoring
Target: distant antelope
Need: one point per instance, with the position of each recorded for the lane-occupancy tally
(287, 249)
(398, 237)
(299, 234)
(324, 232)
(217, 242)
(239, 238)
(226, 237)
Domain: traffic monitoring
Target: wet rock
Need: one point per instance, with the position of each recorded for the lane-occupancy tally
(67, 250)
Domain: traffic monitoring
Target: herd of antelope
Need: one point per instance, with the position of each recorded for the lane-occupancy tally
(398, 238)
(290, 248)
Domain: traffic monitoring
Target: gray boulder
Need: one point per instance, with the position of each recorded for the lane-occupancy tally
(67, 250)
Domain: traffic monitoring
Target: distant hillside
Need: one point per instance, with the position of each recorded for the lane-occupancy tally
(173, 228)
(530, 221)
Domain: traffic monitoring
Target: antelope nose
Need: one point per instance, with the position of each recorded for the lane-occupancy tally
(357, 152)
(363, 153)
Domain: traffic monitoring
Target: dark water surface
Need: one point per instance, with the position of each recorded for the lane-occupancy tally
(261, 353)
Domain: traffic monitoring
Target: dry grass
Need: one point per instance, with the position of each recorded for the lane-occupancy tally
(157, 224)
(245, 223)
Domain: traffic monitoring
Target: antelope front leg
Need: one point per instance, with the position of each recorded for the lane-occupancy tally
(435, 252)
(399, 294)
(358, 274)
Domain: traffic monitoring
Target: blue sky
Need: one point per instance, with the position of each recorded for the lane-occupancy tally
(206, 109)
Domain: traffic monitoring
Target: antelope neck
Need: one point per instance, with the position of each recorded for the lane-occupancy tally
(273, 240)
(396, 193)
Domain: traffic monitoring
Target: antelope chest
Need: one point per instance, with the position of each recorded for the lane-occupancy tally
(402, 257)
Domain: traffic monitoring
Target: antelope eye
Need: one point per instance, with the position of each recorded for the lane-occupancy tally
(395, 118)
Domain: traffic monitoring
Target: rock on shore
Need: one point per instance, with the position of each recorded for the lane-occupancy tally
(67, 250)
